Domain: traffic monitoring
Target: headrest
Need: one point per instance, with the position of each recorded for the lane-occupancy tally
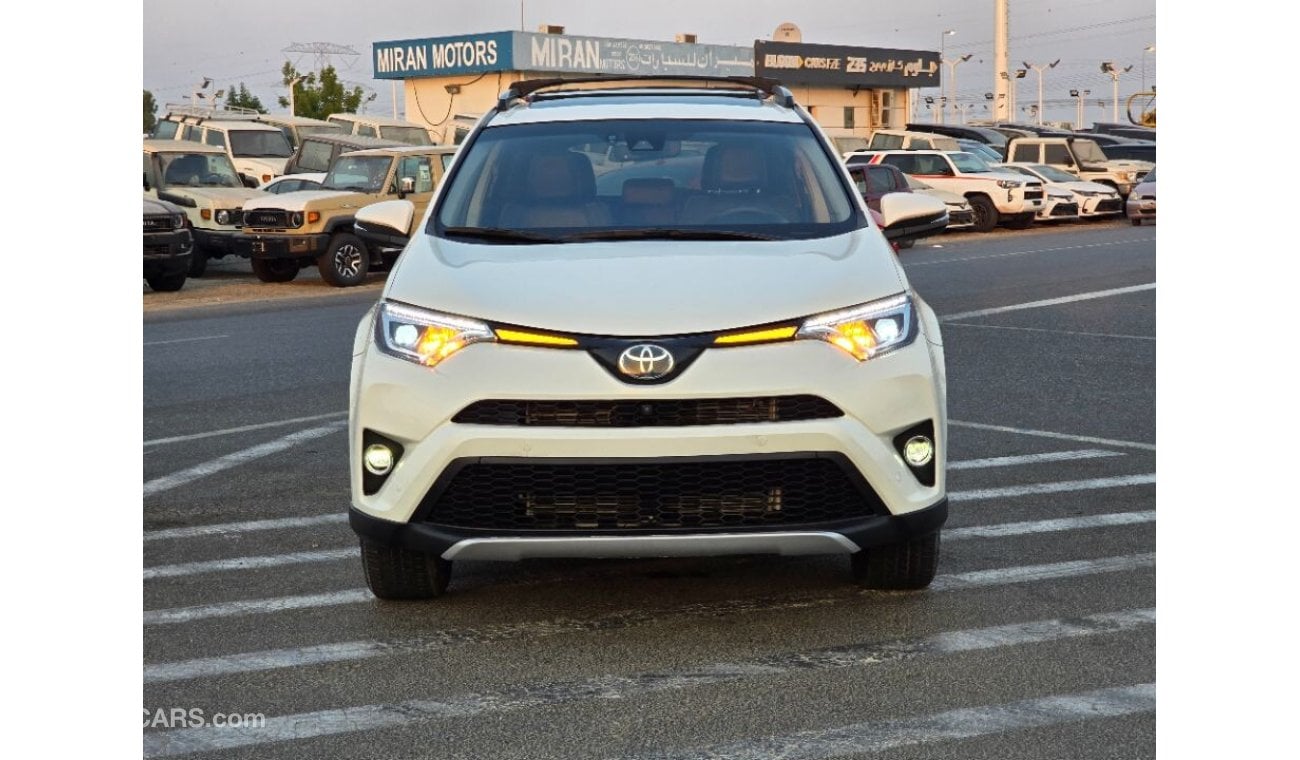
(734, 168)
(560, 175)
(650, 191)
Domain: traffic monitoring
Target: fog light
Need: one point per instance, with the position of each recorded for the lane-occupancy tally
(918, 451)
(379, 459)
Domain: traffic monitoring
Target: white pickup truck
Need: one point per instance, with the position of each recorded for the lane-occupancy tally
(997, 196)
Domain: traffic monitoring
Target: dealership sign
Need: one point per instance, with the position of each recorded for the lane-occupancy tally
(799, 63)
(527, 51)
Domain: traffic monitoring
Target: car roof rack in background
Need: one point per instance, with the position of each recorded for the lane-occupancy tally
(210, 112)
(528, 89)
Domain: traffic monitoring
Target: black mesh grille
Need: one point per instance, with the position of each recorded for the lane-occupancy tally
(156, 223)
(609, 495)
(647, 413)
(156, 249)
(1065, 209)
(264, 217)
(1033, 194)
(1110, 204)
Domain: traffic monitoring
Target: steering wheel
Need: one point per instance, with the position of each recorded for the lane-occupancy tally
(213, 179)
(749, 215)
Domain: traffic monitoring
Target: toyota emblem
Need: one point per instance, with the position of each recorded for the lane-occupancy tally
(645, 361)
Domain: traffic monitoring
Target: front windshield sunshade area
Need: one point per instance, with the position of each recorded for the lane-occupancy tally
(197, 170)
(969, 163)
(593, 180)
(360, 174)
(247, 143)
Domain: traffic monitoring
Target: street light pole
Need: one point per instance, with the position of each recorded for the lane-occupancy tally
(1079, 96)
(952, 83)
(1108, 67)
(1040, 70)
(293, 84)
(943, 59)
(1147, 49)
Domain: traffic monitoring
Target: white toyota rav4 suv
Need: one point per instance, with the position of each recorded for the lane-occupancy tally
(648, 319)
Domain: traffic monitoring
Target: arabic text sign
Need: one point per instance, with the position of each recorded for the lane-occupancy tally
(604, 55)
(800, 63)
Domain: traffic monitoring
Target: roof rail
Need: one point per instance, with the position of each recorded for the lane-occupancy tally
(526, 88)
(209, 112)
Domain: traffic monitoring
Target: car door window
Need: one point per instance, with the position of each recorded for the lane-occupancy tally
(315, 156)
(213, 137)
(905, 164)
(881, 179)
(1058, 155)
(419, 169)
(859, 176)
(366, 130)
(165, 130)
(1026, 153)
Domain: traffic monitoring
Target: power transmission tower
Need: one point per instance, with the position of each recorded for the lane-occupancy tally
(323, 52)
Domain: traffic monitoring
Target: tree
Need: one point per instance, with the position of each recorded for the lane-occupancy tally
(318, 95)
(242, 98)
(150, 108)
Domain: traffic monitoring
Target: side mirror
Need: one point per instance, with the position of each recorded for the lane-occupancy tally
(247, 180)
(909, 216)
(386, 224)
(405, 185)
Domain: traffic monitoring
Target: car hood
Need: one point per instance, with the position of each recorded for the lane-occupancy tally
(646, 287)
(1088, 187)
(260, 166)
(948, 198)
(1145, 188)
(315, 200)
(212, 197)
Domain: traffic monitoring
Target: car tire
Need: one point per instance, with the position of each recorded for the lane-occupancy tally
(986, 214)
(906, 244)
(198, 262)
(1136, 222)
(345, 262)
(395, 573)
(908, 565)
(167, 283)
(275, 270)
(1021, 222)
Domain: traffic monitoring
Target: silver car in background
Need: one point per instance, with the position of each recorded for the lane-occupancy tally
(1094, 198)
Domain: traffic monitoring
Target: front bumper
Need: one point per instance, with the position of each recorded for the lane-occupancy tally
(167, 252)
(1101, 206)
(414, 406)
(960, 217)
(215, 242)
(272, 246)
(844, 537)
(1136, 208)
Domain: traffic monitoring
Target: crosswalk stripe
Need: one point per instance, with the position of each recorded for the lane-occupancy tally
(299, 656)
(1048, 456)
(372, 717)
(249, 563)
(225, 529)
(1039, 489)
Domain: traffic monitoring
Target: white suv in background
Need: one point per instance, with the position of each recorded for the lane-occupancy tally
(997, 196)
(648, 320)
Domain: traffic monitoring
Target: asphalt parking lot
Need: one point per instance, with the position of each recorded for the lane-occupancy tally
(1037, 640)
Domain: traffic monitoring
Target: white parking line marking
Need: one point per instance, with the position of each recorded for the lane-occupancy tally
(242, 429)
(1008, 254)
(372, 717)
(1059, 436)
(1068, 486)
(953, 725)
(949, 534)
(249, 563)
(1049, 456)
(255, 606)
(184, 340)
(191, 474)
(1049, 526)
(1055, 332)
(223, 529)
(993, 577)
(1049, 302)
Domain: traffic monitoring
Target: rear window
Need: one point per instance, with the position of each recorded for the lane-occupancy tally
(248, 143)
(165, 130)
(408, 135)
(588, 179)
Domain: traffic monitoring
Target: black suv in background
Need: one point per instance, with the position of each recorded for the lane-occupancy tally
(168, 245)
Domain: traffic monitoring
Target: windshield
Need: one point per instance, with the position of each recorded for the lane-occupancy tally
(408, 135)
(361, 174)
(247, 143)
(1052, 174)
(968, 163)
(1150, 176)
(320, 129)
(591, 180)
(1088, 151)
(197, 170)
(916, 184)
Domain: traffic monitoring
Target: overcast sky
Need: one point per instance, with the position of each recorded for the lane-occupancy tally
(234, 41)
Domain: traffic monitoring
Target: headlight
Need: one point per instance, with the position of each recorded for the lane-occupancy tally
(178, 221)
(295, 219)
(1007, 184)
(866, 331)
(425, 337)
(223, 216)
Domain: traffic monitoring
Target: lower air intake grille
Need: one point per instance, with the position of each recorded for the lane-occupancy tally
(604, 494)
(647, 413)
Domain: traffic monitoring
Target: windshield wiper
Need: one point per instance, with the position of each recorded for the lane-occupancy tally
(502, 234)
(350, 188)
(668, 233)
